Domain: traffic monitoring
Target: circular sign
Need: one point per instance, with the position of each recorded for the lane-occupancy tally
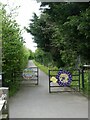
(64, 78)
(28, 73)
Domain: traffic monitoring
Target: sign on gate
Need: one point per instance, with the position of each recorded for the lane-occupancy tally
(30, 75)
(64, 78)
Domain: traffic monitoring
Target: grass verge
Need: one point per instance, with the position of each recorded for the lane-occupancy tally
(44, 68)
(41, 67)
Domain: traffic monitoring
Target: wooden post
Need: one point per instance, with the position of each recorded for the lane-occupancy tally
(0, 79)
(49, 83)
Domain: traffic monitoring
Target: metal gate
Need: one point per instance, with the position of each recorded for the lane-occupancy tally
(30, 76)
(64, 80)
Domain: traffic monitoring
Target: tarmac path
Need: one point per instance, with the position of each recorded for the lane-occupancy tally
(37, 102)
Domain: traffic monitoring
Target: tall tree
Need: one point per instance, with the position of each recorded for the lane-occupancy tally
(59, 30)
(14, 54)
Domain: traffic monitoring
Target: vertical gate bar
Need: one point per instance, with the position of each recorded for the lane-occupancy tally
(37, 76)
(89, 84)
(79, 80)
(83, 79)
(49, 82)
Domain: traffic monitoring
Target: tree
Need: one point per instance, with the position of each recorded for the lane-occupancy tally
(62, 30)
(31, 56)
(70, 18)
(41, 29)
(14, 53)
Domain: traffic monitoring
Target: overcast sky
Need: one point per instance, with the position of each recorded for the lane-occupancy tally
(25, 12)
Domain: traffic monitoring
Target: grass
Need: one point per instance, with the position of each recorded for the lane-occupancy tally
(41, 67)
(44, 68)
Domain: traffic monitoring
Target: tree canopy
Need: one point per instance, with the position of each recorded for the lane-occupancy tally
(63, 30)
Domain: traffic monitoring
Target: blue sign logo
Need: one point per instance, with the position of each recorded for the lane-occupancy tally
(63, 78)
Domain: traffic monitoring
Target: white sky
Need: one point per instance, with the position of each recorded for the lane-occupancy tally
(25, 12)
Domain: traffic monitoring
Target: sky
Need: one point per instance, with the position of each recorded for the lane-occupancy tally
(25, 13)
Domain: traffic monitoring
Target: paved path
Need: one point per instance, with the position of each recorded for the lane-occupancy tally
(37, 102)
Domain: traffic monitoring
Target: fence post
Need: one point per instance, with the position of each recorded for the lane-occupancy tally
(37, 76)
(87, 67)
(83, 78)
(49, 82)
(79, 80)
(89, 83)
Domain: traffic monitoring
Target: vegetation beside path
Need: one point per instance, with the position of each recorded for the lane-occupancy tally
(14, 53)
(45, 69)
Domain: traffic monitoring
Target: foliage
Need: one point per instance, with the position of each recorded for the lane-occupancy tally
(0, 39)
(63, 31)
(43, 58)
(45, 69)
(77, 34)
(31, 55)
(41, 30)
(15, 55)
